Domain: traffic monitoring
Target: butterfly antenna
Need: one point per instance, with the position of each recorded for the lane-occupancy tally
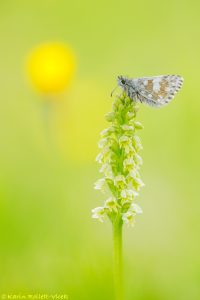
(113, 91)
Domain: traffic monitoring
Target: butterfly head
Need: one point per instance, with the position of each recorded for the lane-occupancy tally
(121, 81)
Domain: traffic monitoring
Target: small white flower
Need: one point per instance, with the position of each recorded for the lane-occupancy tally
(130, 115)
(137, 142)
(138, 125)
(134, 180)
(128, 194)
(99, 158)
(111, 204)
(102, 143)
(106, 131)
(129, 164)
(127, 127)
(138, 159)
(129, 149)
(110, 116)
(107, 170)
(124, 141)
(98, 213)
(100, 184)
(120, 181)
(136, 208)
(104, 155)
(129, 218)
(139, 181)
(133, 174)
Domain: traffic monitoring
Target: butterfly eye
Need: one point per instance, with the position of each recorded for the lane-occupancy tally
(123, 81)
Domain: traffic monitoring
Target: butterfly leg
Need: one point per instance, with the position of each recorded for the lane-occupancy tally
(138, 97)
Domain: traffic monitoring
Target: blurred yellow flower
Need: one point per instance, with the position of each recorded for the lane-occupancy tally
(51, 67)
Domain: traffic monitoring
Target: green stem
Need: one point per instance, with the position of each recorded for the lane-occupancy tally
(118, 265)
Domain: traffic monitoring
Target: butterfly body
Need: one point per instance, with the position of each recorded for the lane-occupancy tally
(156, 91)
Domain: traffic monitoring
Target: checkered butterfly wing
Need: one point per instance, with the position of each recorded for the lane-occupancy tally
(158, 90)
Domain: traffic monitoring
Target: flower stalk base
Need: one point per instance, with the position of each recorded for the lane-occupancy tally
(117, 260)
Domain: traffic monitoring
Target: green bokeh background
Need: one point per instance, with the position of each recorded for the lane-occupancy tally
(49, 243)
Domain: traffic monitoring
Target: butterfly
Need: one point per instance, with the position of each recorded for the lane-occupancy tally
(155, 91)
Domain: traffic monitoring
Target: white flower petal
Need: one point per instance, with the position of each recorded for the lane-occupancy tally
(129, 163)
(102, 142)
(137, 142)
(98, 213)
(100, 184)
(127, 127)
(104, 132)
(128, 194)
(138, 159)
(99, 158)
(129, 218)
(139, 181)
(111, 204)
(107, 170)
(137, 209)
(133, 174)
(138, 125)
(107, 131)
(129, 149)
(120, 181)
(124, 140)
